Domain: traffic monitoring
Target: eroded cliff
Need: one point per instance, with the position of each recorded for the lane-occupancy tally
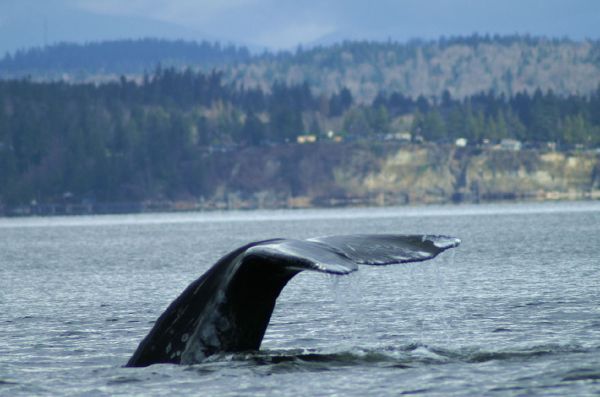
(390, 173)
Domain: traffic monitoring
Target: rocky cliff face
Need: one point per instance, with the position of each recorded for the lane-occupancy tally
(531, 174)
(378, 173)
(390, 173)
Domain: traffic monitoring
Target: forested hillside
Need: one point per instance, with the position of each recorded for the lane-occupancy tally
(462, 66)
(154, 139)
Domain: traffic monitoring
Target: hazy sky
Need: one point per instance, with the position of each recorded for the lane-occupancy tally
(283, 24)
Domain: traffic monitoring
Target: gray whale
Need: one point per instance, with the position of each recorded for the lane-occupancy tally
(229, 307)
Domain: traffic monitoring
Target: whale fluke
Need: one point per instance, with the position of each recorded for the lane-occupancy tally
(229, 307)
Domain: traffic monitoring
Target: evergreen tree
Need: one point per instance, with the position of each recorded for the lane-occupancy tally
(253, 132)
(433, 126)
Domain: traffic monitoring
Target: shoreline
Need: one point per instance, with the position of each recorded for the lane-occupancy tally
(165, 207)
(328, 175)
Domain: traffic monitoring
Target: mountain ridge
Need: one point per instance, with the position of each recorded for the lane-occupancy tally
(462, 66)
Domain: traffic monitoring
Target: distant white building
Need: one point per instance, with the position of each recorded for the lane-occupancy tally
(333, 136)
(461, 142)
(510, 144)
(399, 136)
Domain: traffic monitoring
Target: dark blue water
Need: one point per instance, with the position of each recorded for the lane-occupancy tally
(515, 310)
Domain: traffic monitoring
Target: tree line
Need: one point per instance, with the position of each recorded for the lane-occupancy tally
(118, 57)
(131, 140)
(462, 65)
(536, 118)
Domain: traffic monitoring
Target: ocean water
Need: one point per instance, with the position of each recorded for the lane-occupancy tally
(513, 311)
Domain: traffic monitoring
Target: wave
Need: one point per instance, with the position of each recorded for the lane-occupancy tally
(407, 356)
(582, 374)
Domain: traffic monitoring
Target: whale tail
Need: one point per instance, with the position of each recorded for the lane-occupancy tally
(229, 307)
